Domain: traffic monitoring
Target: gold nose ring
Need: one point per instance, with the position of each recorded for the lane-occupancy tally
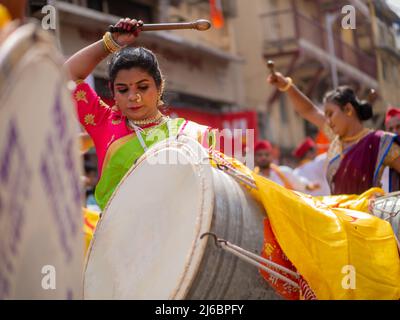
(139, 97)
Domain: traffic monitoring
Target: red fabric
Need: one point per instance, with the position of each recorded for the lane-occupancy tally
(303, 148)
(217, 16)
(322, 143)
(391, 113)
(263, 145)
(272, 251)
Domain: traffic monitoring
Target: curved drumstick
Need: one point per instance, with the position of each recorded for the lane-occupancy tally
(271, 66)
(200, 25)
(372, 96)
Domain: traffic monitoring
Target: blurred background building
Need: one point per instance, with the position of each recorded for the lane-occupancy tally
(203, 71)
(306, 40)
(218, 77)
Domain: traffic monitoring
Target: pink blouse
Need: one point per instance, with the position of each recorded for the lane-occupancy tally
(104, 124)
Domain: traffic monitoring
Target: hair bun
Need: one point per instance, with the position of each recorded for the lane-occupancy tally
(365, 110)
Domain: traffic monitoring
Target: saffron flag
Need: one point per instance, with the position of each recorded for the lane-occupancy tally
(217, 17)
(342, 253)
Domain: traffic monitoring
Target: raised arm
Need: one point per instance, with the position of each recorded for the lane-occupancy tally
(82, 63)
(301, 103)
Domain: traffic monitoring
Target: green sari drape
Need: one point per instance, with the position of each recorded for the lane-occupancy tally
(124, 152)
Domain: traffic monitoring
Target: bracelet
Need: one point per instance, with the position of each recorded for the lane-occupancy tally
(110, 44)
(287, 87)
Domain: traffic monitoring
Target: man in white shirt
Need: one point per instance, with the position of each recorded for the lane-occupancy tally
(312, 167)
(281, 175)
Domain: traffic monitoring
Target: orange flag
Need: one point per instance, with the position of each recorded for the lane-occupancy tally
(217, 17)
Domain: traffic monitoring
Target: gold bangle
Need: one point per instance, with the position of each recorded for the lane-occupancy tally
(287, 87)
(109, 43)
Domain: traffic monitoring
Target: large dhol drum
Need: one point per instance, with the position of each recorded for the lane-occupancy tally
(388, 209)
(147, 244)
(41, 241)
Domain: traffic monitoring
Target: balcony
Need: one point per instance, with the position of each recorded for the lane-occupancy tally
(288, 31)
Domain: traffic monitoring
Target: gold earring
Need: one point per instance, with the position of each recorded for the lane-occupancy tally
(349, 113)
(139, 98)
(160, 103)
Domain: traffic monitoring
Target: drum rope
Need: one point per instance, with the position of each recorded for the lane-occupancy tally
(226, 167)
(254, 259)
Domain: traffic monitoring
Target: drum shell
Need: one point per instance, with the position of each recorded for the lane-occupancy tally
(143, 227)
(238, 218)
(388, 209)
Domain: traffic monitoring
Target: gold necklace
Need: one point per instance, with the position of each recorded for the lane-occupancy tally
(146, 121)
(356, 137)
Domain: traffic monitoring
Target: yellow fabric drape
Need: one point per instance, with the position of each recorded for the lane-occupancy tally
(323, 236)
(322, 241)
(91, 219)
(5, 17)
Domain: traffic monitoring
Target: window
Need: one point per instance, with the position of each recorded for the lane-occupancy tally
(131, 9)
(95, 4)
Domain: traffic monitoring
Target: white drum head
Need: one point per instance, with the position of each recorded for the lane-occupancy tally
(147, 244)
(41, 241)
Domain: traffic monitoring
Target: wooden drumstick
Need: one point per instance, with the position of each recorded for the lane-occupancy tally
(271, 66)
(372, 95)
(200, 25)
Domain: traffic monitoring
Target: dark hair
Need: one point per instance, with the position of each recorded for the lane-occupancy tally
(344, 95)
(90, 168)
(138, 57)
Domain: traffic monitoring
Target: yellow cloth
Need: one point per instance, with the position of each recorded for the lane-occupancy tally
(5, 17)
(321, 236)
(90, 222)
(86, 142)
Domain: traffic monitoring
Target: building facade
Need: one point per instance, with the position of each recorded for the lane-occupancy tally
(202, 69)
(306, 40)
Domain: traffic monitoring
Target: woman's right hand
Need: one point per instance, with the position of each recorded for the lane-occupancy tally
(278, 80)
(132, 26)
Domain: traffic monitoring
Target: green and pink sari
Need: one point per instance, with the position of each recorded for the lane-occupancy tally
(117, 145)
(123, 153)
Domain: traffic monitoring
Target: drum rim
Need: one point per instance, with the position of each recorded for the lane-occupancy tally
(14, 53)
(198, 246)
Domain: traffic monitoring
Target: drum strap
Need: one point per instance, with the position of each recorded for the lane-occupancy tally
(255, 260)
(140, 137)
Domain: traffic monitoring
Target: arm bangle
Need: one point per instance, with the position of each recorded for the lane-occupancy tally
(288, 86)
(110, 44)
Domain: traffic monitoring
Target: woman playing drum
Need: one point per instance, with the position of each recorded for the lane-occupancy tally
(121, 134)
(357, 155)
